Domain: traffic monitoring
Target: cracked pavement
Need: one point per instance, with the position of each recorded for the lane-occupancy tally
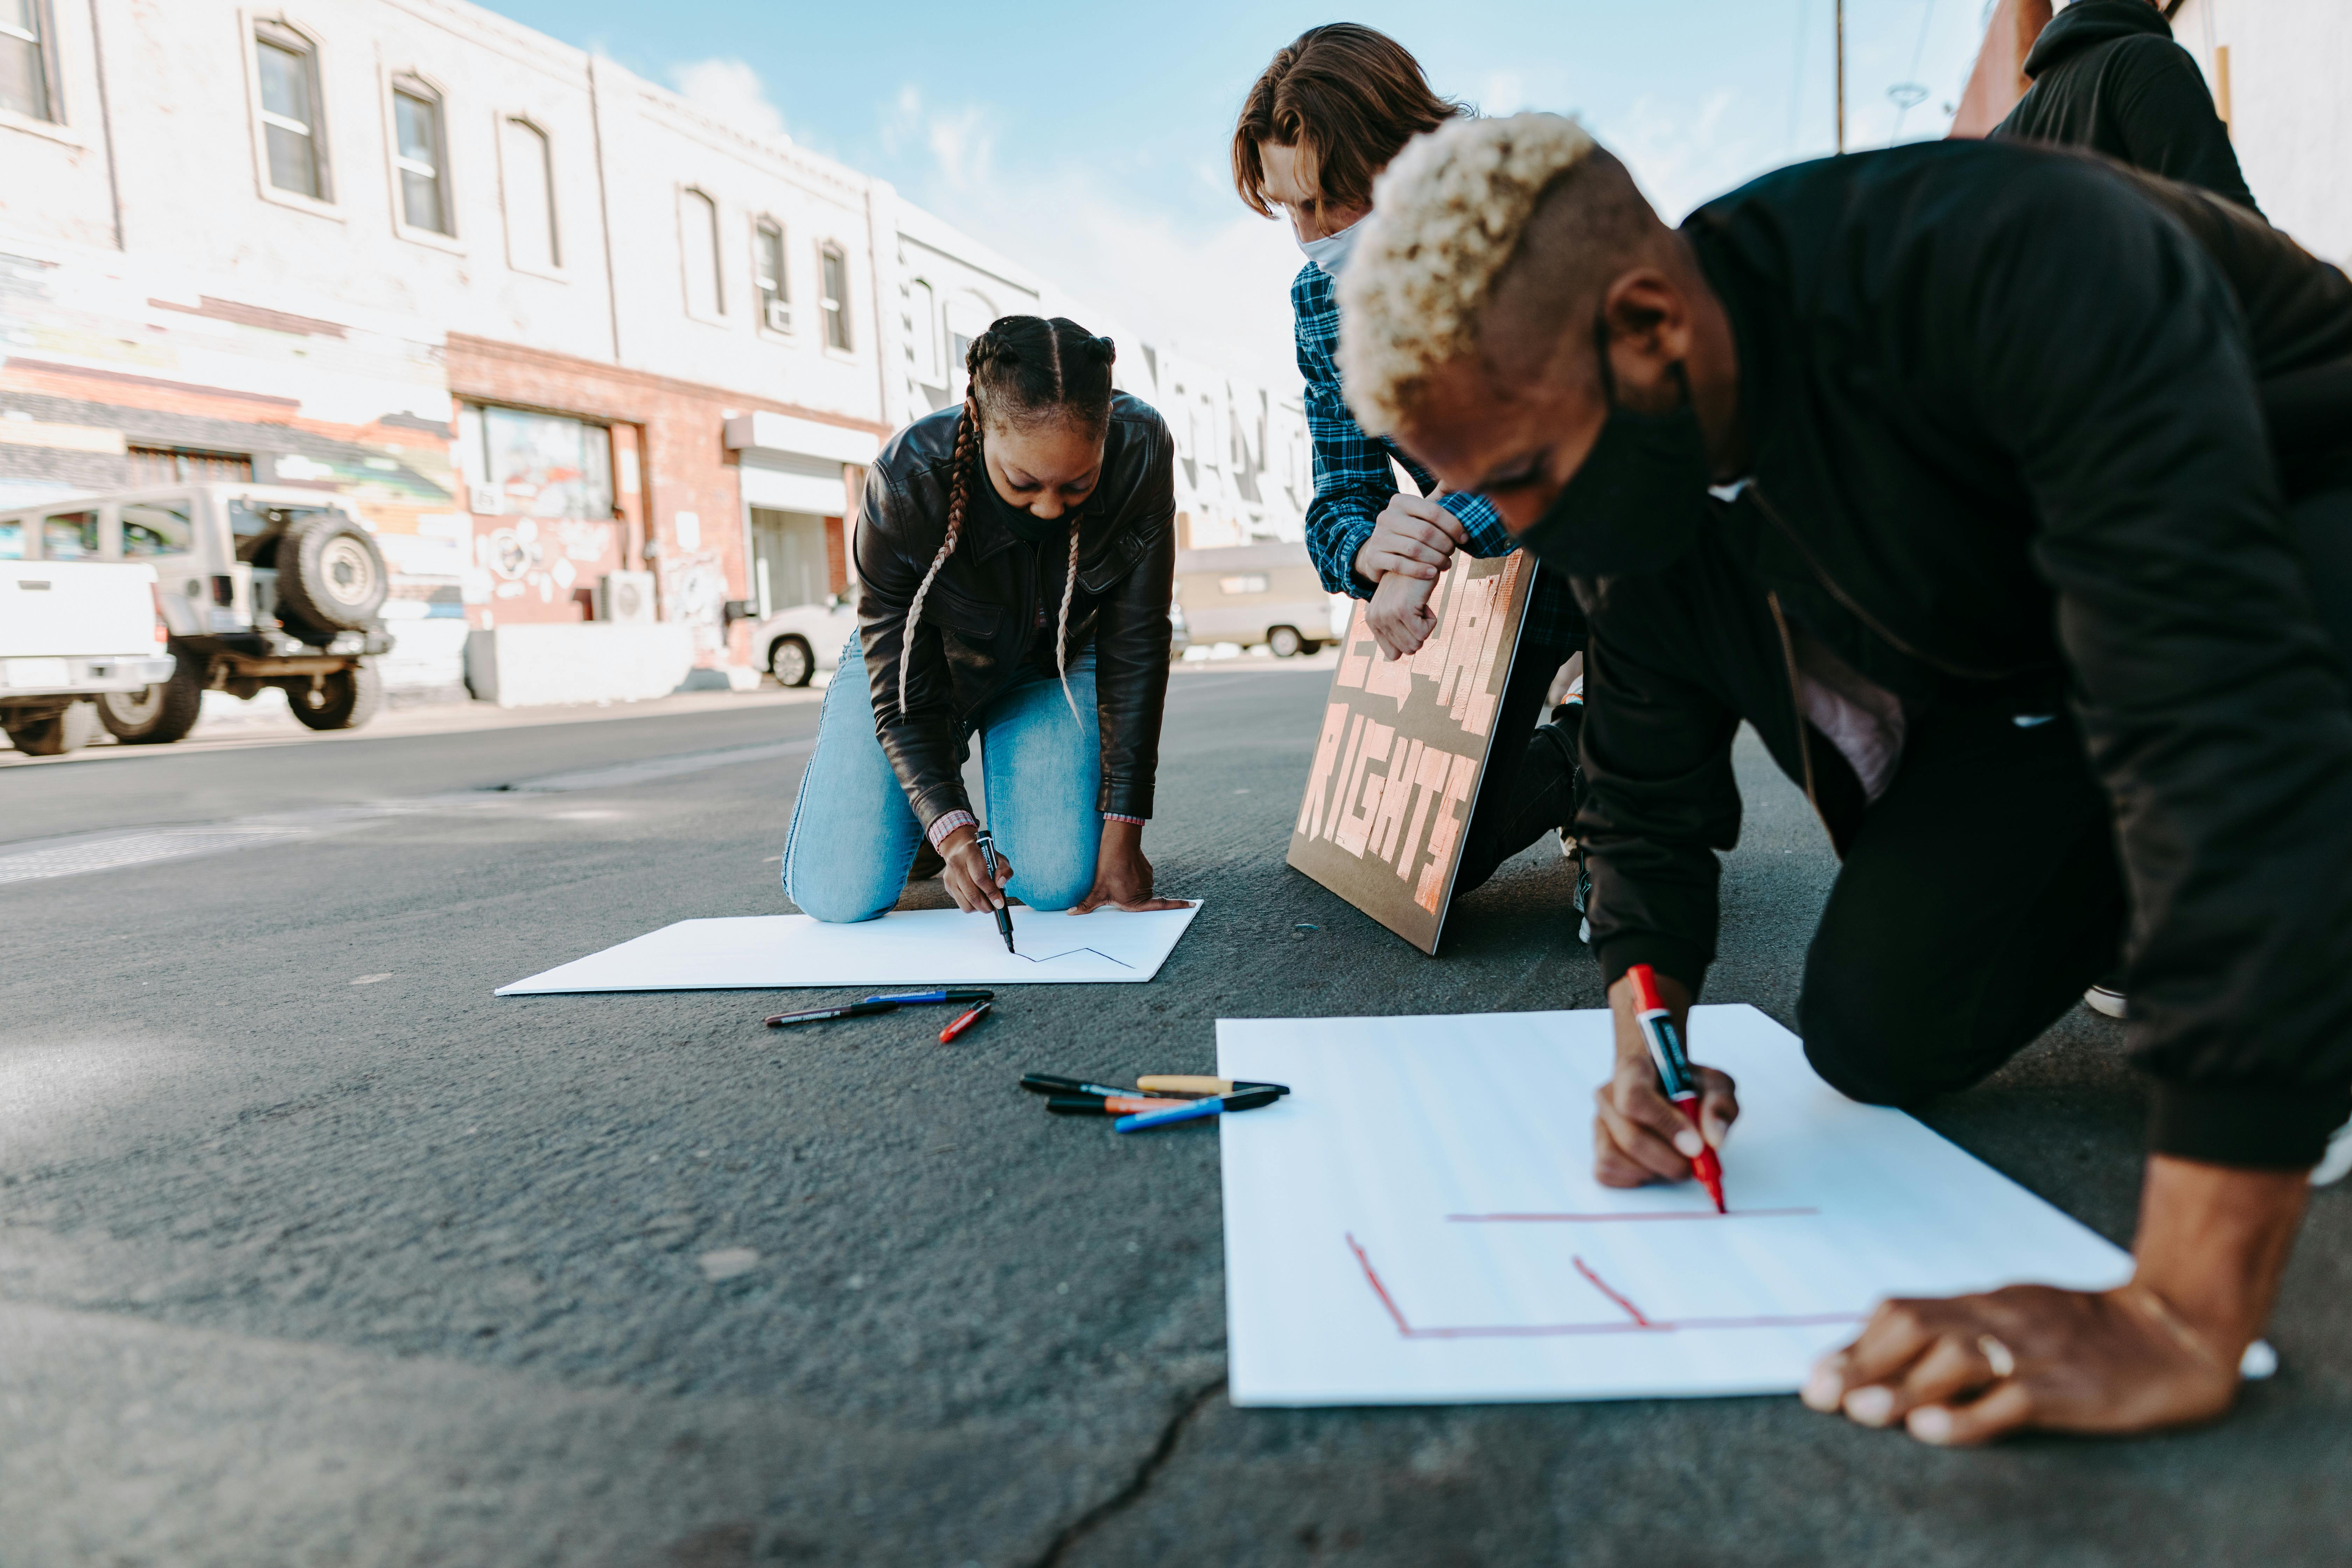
(311, 1251)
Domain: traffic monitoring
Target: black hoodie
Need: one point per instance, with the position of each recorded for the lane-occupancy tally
(2107, 76)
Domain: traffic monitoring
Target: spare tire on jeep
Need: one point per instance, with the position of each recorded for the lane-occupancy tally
(330, 577)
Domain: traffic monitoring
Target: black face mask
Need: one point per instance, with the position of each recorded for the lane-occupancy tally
(1639, 498)
(1019, 522)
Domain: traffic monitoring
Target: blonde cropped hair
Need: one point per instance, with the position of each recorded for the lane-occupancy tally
(1446, 217)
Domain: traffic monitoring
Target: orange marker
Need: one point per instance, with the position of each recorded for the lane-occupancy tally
(1107, 1105)
(964, 1021)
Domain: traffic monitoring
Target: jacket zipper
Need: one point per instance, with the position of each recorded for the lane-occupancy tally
(1852, 605)
(1797, 706)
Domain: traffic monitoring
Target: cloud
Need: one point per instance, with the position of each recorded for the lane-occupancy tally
(729, 90)
(1219, 293)
(961, 142)
(1682, 159)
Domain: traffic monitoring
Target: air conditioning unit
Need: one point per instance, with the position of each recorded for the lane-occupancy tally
(779, 315)
(485, 500)
(626, 597)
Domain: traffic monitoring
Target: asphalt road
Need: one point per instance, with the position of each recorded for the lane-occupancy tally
(311, 1251)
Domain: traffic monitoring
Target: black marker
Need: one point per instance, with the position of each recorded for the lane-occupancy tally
(1046, 1083)
(1004, 912)
(819, 1015)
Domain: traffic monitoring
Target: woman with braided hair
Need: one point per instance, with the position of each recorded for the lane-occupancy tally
(1016, 558)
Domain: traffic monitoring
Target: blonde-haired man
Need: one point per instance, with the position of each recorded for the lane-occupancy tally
(2006, 494)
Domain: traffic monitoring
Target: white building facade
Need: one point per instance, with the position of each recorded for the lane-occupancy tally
(544, 322)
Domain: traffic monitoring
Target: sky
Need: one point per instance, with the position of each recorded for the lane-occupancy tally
(1090, 141)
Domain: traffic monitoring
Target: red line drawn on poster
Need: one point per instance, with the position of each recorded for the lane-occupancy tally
(1605, 1218)
(1632, 1323)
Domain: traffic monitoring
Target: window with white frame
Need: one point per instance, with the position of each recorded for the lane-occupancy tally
(24, 61)
(292, 127)
(527, 164)
(528, 464)
(833, 265)
(767, 272)
(698, 217)
(420, 157)
(923, 334)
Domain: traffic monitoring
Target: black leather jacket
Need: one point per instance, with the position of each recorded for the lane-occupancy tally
(980, 618)
(2021, 421)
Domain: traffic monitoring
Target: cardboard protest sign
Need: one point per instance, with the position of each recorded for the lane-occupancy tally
(1403, 748)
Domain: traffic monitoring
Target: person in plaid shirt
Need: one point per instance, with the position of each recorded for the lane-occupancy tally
(1324, 117)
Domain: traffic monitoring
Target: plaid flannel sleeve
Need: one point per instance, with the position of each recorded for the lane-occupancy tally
(1352, 480)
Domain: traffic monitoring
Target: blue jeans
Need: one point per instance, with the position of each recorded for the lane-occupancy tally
(854, 835)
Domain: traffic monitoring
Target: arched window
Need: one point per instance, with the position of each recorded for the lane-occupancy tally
(527, 166)
(833, 277)
(293, 131)
(420, 155)
(923, 334)
(24, 61)
(768, 269)
(698, 239)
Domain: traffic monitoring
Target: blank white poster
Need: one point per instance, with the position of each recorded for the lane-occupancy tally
(904, 950)
(1417, 1222)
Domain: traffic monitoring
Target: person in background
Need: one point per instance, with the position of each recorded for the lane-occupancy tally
(1016, 557)
(2107, 76)
(1958, 471)
(1322, 119)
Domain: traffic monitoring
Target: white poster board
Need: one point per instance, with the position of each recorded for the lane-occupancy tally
(1417, 1222)
(903, 950)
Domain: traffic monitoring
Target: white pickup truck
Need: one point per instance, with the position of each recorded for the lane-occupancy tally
(70, 632)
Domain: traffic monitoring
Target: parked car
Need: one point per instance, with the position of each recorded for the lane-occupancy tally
(1180, 630)
(260, 586)
(1253, 593)
(797, 641)
(71, 632)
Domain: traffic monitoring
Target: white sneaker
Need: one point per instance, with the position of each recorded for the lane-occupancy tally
(2106, 1001)
(2336, 1163)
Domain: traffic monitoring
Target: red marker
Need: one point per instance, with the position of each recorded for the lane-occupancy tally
(1675, 1075)
(964, 1021)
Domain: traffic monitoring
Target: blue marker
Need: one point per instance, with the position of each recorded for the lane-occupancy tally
(1145, 1120)
(922, 998)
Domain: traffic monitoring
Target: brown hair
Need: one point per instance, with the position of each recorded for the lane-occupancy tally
(1023, 368)
(1351, 96)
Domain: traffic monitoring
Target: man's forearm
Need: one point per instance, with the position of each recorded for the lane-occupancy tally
(2213, 1245)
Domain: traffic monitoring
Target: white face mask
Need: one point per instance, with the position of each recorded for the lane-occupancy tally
(1330, 252)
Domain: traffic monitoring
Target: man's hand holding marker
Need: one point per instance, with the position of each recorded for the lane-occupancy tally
(1639, 1135)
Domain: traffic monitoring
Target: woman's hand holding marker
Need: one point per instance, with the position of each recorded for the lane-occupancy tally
(967, 875)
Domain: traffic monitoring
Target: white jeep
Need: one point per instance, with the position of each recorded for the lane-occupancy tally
(259, 586)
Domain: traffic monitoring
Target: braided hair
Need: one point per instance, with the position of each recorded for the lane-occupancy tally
(1022, 370)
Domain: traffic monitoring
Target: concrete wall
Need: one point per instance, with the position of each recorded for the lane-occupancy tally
(2290, 109)
(526, 667)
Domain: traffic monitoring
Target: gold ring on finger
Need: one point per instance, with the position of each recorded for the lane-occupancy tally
(1997, 1355)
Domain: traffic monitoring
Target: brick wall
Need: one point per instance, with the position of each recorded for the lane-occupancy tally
(684, 471)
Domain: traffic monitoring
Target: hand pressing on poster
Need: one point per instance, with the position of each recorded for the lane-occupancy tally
(1122, 876)
(1412, 537)
(2162, 1351)
(1399, 616)
(1638, 1136)
(966, 873)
